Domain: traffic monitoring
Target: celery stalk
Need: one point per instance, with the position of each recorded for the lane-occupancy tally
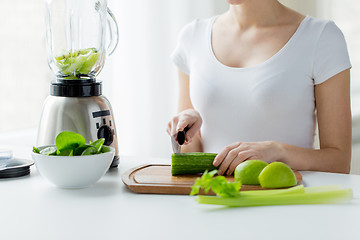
(292, 190)
(316, 197)
(322, 188)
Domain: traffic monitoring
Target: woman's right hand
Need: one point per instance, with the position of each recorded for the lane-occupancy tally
(188, 118)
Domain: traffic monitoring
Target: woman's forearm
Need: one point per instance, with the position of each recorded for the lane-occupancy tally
(330, 159)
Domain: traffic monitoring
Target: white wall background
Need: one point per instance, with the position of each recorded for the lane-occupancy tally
(144, 87)
(139, 78)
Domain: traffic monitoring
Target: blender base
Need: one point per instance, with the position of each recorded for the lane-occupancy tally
(78, 107)
(115, 162)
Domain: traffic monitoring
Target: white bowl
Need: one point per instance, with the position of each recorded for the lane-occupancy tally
(73, 171)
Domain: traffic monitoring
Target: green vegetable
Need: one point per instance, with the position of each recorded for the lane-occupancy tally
(296, 189)
(36, 150)
(314, 197)
(69, 140)
(48, 151)
(73, 144)
(65, 152)
(105, 149)
(228, 193)
(76, 63)
(79, 150)
(89, 151)
(191, 163)
(218, 185)
(98, 144)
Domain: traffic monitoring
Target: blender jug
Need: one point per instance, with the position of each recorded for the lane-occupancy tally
(76, 33)
(76, 36)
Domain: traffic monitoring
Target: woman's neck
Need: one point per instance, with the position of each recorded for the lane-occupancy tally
(255, 13)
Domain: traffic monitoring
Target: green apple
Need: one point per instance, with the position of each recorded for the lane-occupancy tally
(277, 175)
(247, 172)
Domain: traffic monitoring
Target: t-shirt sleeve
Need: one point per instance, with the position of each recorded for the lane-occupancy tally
(181, 54)
(331, 54)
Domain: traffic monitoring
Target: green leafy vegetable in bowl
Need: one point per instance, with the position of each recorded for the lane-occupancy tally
(73, 144)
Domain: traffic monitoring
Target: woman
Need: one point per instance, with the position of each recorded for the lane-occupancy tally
(255, 79)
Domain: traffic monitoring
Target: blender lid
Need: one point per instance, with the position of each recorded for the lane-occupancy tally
(16, 168)
(76, 88)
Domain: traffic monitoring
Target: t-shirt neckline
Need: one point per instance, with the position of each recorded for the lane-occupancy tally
(267, 61)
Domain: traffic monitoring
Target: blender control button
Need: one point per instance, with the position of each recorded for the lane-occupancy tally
(107, 133)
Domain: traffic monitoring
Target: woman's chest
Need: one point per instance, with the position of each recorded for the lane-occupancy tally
(270, 89)
(248, 48)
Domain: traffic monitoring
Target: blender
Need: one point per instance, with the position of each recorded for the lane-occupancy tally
(76, 51)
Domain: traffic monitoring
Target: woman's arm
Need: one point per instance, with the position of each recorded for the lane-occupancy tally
(186, 115)
(334, 120)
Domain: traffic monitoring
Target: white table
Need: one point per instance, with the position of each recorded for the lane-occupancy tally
(32, 208)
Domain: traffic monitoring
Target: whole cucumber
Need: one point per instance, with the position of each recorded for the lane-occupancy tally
(191, 163)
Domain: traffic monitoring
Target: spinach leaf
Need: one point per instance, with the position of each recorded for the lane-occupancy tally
(48, 151)
(69, 140)
(36, 150)
(79, 150)
(105, 149)
(90, 150)
(98, 144)
(65, 152)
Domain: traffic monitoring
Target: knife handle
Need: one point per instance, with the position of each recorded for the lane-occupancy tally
(181, 136)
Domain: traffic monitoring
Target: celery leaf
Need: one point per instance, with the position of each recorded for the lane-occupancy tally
(218, 185)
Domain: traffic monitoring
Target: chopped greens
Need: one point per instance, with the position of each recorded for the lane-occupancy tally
(77, 63)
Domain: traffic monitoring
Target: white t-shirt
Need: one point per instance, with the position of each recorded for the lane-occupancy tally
(273, 100)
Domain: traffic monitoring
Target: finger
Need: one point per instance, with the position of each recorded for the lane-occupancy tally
(168, 128)
(192, 130)
(227, 161)
(221, 156)
(183, 122)
(241, 157)
(174, 123)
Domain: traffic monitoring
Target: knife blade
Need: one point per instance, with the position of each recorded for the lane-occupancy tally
(175, 146)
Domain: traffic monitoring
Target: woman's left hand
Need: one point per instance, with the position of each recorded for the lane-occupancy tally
(234, 154)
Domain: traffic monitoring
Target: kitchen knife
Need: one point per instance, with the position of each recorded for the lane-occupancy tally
(176, 145)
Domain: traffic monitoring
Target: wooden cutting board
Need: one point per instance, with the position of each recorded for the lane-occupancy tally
(157, 178)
